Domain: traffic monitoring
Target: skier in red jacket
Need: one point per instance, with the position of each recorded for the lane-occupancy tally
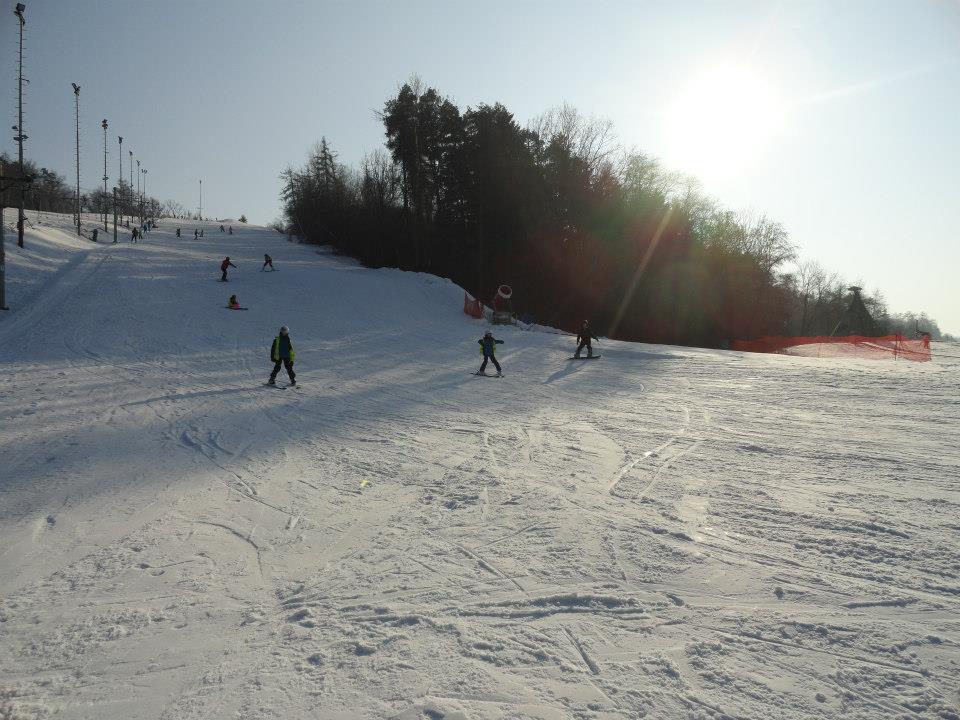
(223, 268)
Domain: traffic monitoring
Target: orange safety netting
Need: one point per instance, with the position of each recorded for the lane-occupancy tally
(472, 306)
(888, 346)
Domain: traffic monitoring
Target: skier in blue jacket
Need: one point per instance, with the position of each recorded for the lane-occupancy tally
(488, 346)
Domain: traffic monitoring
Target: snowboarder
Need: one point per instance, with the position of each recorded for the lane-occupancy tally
(281, 353)
(267, 260)
(583, 339)
(488, 346)
(233, 303)
(223, 268)
(178, 232)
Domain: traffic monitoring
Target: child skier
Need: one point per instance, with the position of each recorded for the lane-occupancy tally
(488, 346)
(583, 339)
(223, 268)
(267, 260)
(281, 353)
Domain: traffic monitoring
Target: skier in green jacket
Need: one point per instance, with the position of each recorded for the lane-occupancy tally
(488, 346)
(281, 353)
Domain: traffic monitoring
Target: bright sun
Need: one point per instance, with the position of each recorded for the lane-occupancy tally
(722, 122)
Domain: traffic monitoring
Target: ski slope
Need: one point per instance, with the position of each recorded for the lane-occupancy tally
(664, 533)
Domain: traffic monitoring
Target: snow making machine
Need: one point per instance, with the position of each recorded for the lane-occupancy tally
(503, 307)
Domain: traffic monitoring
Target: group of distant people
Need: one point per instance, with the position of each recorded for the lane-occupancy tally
(137, 232)
(198, 232)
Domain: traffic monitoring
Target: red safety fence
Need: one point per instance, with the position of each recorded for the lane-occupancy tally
(472, 306)
(888, 346)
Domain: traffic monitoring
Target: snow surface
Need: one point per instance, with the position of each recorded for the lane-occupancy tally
(664, 533)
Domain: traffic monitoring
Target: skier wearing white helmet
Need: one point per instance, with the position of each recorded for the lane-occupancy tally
(281, 353)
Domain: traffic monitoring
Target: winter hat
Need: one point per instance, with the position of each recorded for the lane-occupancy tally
(284, 330)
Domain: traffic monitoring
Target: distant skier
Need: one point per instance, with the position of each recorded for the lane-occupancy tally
(281, 353)
(267, 260)
(196, 234)
(488, 346)
(178, 232)
(231, 229)
(134, 233)
(95, 233)
(221, 228)
(201, 233)
(583, 339)
(223, 268)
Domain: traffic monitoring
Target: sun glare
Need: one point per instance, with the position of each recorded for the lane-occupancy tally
(722, 122)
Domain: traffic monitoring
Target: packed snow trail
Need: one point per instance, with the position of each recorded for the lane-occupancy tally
(669, 533)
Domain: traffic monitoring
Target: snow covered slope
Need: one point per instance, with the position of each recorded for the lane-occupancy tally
(664, 533)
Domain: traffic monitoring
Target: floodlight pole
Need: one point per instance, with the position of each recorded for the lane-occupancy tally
(76, 92)
(201, 198)
(20, 136)
(3, 263)
(114, 215)
(120, 177)
(138, 186)
(143, 198)
(104, 126)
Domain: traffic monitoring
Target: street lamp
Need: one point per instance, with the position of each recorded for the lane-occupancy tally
(20, 137)
(120, 176)
(76, 92)
(104, 126)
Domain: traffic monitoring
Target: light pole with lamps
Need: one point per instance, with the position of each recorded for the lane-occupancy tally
(76, 92)
(19, 128)
(104, 126)
(120, 176)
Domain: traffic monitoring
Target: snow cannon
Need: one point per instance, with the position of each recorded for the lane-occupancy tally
(503, 306)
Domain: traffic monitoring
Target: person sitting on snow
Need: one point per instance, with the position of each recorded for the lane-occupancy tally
(488, 346)
(583, 339)
(233, 303)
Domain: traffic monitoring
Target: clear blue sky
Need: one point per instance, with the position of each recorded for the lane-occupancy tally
(858, 158)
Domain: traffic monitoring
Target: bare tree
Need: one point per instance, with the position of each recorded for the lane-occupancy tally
(590, 139)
